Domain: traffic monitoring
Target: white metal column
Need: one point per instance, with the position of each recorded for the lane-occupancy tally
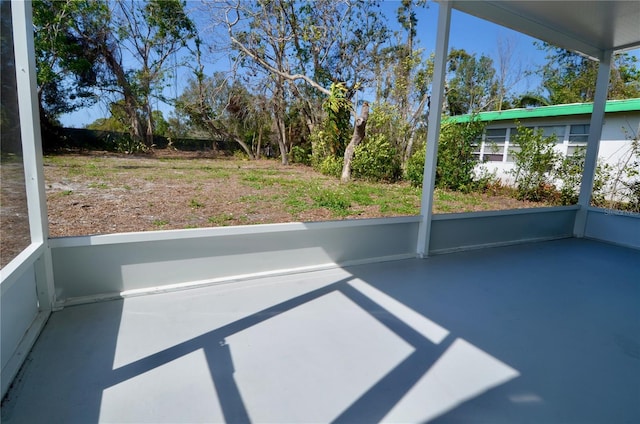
(433, 132)
(593, 143)
(25, 64)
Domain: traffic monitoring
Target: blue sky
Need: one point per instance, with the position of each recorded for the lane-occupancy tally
(467, 32)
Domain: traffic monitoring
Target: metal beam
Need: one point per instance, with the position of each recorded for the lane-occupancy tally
(28, 107)
(433, 133)
(593, 143)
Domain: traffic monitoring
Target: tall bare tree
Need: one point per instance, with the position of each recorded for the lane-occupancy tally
(303, 47)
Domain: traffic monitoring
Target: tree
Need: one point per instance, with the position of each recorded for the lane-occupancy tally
(67, 58)
(358, 136)
(303, 47)
(570, 78)
(86, 47)
(151, 32)
(403, 78)
(224, 109)
(117, 120)
(509, 71)
(472, 86)
(9, 114)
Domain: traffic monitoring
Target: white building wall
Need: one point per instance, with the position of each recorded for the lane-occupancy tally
(615, 145)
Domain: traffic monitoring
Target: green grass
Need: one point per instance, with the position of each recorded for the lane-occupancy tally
(98, 185)
(335, 200)
(221, 219)
(193, 203)
(255, 192)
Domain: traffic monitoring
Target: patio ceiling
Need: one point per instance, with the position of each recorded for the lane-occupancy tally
(587, 27)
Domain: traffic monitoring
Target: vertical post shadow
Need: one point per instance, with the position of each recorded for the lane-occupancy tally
(221, 369)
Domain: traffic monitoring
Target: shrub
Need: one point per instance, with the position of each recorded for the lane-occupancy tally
(319, 148)
(299, 154)
(415, 167)
(375, 159)
(456, 161)
(535, 165)
(486, 181)
(332, 166)
(570, 172)
(125, 144)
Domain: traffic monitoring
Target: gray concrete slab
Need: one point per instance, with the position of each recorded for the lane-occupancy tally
(538, 333)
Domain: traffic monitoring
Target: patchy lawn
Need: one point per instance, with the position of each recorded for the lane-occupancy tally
(14, 219)
(100, 193)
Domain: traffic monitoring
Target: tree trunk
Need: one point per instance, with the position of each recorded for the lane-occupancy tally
(359, 132)
(149, 135)
(282, 139)
(130, 102)
(258, 150)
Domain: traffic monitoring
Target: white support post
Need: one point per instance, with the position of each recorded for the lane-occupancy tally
(25, 64)
(593, 143)
(433, 132)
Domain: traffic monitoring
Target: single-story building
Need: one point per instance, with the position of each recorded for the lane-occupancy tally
(568, 123)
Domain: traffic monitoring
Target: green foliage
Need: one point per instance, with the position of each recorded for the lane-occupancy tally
(379, 156)
(195, 204)
(571, 78)
(415, 167)
(331, 166)
(456, 162)
(375, 159)
(336, 126)
(472, 85)
(622, 188)
(535, 165)
(67, 53)
(485, 181)
(334, 200)
(570, 172)
(125, 144)
(299, 154)
(321, 155)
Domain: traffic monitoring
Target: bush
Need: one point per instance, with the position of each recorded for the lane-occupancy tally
(415, 168)
(375, 159)
(331, 166)
(535, 166)
(319, 148)
(486, 182)
(125, 144)
(299, 154)
(570, 172)
(456, 162)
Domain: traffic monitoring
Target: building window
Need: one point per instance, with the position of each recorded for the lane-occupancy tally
(578, 136)
(493, 147)
(513, 146)
(554, 131)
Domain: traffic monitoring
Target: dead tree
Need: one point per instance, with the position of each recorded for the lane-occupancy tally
(359, 131)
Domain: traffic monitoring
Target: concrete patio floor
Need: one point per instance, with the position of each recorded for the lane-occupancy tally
(537, 333)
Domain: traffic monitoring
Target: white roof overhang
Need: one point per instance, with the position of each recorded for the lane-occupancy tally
(586, 27)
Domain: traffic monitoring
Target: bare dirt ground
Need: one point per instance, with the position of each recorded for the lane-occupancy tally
(102, 193)
(14, 220)
(172, 190)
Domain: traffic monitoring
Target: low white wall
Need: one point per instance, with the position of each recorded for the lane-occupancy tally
(614, 226)
(94, 267)
(463, 231)
(20, 318)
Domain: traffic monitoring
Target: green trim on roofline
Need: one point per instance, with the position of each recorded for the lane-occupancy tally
(612, 106)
